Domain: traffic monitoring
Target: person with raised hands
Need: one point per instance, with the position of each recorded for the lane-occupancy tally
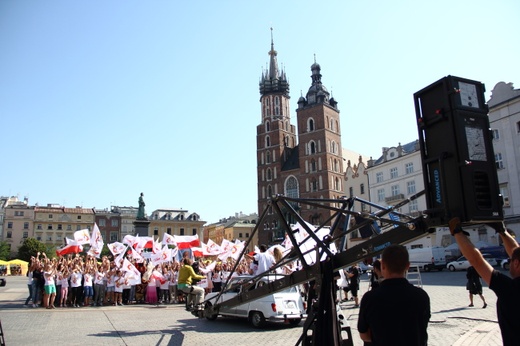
(507, 288)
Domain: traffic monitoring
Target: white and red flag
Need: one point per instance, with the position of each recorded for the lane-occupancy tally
(129, 267)
(116, 248)
(96, 242)
(197, 252)
(164, 255)
(70, 248)
(168, 239)
(136, 256)
(130, 240)
(211, 248)
(143, 243)
(236, 249)
(82, 236)
(187, 241)
(119, 259)
(156, 246)
(225, 245)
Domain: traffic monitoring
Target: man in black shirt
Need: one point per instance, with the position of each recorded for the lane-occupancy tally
(353, 286)
(506, 288)
(397, 312)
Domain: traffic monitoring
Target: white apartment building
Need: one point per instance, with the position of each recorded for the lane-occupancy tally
(397, 175)
(504, 118)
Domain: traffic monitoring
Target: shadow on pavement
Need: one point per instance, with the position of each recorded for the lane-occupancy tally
(176, 337)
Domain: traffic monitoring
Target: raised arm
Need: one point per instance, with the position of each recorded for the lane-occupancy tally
(510, 244)
(469, 251)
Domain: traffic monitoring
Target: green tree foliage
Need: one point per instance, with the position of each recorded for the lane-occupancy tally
(4, 251)
(31, 247)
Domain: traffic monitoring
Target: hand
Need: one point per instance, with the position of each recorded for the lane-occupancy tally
(455, 227)
(499, 227)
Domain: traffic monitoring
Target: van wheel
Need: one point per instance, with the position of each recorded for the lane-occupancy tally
(211, 317)
(295, 322)
(257, 319)
(426, 268)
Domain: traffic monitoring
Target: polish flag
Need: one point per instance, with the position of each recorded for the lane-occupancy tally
(143, 243)
(168, 239)
(187, 241)
(82, 237)
(70, 248)
(197, 251)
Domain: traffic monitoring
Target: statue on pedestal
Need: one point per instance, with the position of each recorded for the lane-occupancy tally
(140, 211)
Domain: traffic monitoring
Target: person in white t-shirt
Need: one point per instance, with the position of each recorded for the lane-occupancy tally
(264, 260)
(99, 286)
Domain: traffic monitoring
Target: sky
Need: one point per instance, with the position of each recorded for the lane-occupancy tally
(102, 100)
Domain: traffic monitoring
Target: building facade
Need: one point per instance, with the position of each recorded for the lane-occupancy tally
(174, 222)
(356, 185)
(303, 164)
(109, 224)
(504, 118)
(54, 223)
(238, 227)
(18, 224)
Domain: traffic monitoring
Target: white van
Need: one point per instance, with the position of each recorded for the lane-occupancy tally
(283, 306)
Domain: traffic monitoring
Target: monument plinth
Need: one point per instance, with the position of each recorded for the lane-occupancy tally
(141, 227)
(141, 222)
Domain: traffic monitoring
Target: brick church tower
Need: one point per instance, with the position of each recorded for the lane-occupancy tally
(308, 164)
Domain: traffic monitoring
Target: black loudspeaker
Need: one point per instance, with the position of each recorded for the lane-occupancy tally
(457, 154)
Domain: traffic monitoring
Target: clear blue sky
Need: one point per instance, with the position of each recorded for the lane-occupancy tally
(102, 100)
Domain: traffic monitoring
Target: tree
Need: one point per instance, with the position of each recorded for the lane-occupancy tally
(30, 247)
(5, 251)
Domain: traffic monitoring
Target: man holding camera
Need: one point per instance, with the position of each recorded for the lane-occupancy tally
(506, 288)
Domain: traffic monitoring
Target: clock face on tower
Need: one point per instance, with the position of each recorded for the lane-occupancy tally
(468, 95)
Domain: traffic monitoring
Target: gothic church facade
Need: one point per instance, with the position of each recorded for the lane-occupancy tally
(301, 162)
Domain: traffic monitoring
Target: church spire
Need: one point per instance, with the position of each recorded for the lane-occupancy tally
(273, 63)
(273, 81)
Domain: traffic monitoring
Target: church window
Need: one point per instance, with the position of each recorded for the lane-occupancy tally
(291, 187)
(268, 157)
(267, 141)
(312, 148)
(267, 126)
(337, 184)
(314, 185)
(333, 147)
(310, 125)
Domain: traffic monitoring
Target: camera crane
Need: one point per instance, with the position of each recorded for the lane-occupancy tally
(324, 324)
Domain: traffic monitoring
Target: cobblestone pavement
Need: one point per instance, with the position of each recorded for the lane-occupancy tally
(452, 321)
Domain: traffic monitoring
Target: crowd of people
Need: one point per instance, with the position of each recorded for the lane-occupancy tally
(78, 280)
